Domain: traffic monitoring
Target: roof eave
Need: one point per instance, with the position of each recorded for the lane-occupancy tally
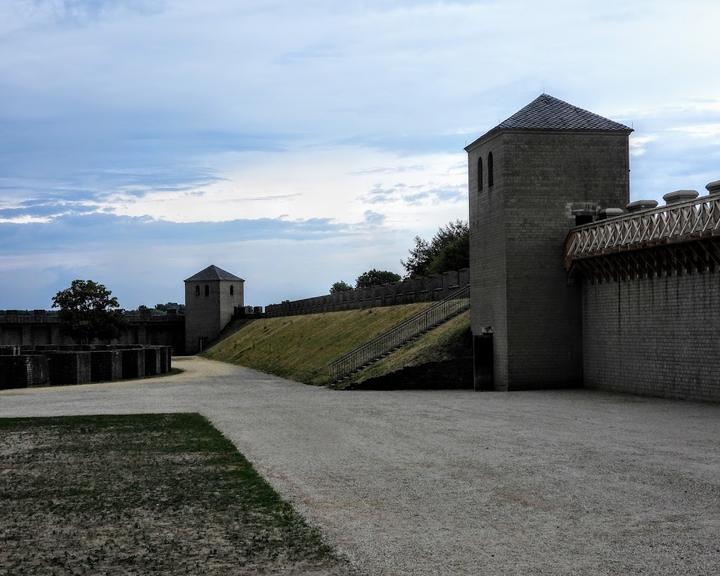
(496, 131)
(193, 279)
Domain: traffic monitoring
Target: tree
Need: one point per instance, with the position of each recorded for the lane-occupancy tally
(375, 278)
(340, 287)
(449, 249)
(88, 310)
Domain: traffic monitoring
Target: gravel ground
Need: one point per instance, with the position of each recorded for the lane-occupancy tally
(455, 482)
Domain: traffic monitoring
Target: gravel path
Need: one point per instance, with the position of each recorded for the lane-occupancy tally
(453, 482)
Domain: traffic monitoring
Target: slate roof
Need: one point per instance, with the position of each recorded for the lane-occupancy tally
(549, 113)
(212, 272)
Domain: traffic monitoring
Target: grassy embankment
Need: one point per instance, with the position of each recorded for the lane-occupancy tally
(302, 347)
(448, 342)
(150, 494)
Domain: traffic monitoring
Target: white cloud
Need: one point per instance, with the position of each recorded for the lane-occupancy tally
(26, 220)
(373, 218)
(123, 100)
(638, 144)
(702, 131)
(309, 183)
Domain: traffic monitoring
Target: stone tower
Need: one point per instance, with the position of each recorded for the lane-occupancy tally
(211, 297)
(545, 169)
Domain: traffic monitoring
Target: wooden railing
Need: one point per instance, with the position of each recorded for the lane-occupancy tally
(457, 302)
(681, 222)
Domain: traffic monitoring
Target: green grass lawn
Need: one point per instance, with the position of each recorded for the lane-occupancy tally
(148, 494)
(302, 347)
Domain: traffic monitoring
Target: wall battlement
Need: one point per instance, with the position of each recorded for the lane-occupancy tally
(52, 317)
(43, 327)
(685, 236)
(650, 282)
(422, 289)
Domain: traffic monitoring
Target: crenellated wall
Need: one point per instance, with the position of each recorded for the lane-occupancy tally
(40, 327)
(422, 289)
(650, 283)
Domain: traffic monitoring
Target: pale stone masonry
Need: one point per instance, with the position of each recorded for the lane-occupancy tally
(418, 289)
(656, 336)
(211, 298)
(567, 288)
(542, 169)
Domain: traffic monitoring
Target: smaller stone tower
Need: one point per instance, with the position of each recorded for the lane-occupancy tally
(211, 297)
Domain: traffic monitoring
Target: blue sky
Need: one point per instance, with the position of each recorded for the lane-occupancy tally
(300, 143)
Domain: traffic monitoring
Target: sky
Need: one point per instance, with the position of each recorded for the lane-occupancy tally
(296, 144)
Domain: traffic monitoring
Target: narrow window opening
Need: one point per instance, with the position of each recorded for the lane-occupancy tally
(207, 290)
(480, 174)
(491, 176)
(232, 290)
(197, 290)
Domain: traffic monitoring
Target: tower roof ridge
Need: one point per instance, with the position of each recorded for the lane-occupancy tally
(213, 272)
(549, 113)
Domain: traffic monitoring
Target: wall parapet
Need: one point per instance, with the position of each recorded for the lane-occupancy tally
(671, 223)
(43, 327)
(408, 291)
(52, 317)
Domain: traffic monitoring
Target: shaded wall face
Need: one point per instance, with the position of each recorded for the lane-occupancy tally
(518, 231)
(209, 306)
(654, 336)
(231, 296)
(38, 331)
(202, 314)
(488, 286)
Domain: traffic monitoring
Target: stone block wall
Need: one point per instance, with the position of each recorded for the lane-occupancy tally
(165, 359)
(422, 289)
(23, 371)
(209, 306)
(69, 367)
(152, 361)
(518, 226)
(133, 363)
(106, 365)
(488, 246)
(655, 336)
(42, 328)
(66, 365)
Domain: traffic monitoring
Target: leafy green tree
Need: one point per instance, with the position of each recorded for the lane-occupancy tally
(449, 249)
(340, 287)
(88, 311)
(375, 278)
